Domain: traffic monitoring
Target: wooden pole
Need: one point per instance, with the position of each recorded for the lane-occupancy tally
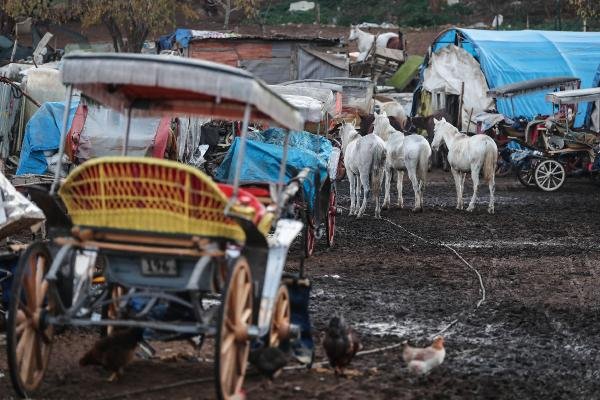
(460, 106)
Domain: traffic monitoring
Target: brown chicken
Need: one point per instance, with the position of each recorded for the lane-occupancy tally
(114, 352)
(341, 344)
(422, 360)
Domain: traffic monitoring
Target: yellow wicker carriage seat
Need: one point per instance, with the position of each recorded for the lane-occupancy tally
(153, 195)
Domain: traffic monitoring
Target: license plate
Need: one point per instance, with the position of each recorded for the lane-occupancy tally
(154, 267)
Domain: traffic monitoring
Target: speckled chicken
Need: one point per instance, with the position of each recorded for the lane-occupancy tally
(341, 344)
(114, 352)
(422, 360)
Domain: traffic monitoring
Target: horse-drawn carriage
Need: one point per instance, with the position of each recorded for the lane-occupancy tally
(547, 149)
(130, 234)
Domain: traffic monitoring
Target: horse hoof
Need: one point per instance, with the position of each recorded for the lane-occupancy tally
(470, 209)
(491, 211)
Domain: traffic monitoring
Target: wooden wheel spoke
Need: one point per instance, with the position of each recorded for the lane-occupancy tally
(227, 370)
(246, 316)
(41, 293)
(38, 349)
(227, 343)
(30, 290)
(26, 367)
(230, 325)
(21, 316)
(22, 345)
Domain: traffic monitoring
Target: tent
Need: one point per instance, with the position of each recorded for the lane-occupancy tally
(507, 57)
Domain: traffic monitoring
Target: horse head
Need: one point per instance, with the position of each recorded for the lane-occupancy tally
(353, 33)
(347, 134)
(440, 127)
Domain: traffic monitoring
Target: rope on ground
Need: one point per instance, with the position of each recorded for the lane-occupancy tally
(158, 388)
(482, 287)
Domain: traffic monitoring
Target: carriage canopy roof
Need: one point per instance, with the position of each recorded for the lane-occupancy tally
(158, 85)
(513, 56)
(574, 96)
(515, 89)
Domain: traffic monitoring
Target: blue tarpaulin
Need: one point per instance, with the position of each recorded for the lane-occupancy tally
(264, 152)
(514, 56)
(42, 134)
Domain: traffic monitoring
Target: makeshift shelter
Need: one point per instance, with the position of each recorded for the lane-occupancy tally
(505, 57)
(274, 59)
(93, 131)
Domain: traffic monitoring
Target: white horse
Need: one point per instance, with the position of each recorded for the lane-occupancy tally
(467, 154)
(404, 153)
(365, 40)
(393, 109)
(364, 158)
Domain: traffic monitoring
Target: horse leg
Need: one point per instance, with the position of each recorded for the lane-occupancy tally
(364, 180)
(475, 178)
(457, 182)
(352, 190)
(388, 183)
(412, 175)
(399, 187)
(492, 186)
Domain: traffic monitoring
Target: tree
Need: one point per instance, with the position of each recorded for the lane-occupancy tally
(128, 22)
(228, 7)
(586, 9)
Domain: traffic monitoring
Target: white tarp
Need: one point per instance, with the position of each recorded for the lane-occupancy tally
(311, 109)
(16, 212)
(325, 96)
(448, 68)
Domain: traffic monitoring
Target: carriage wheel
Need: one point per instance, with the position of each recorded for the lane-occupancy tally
(29, 339)
(309, 235)
(232, 342)
(331, 211)
(503, 168)
(525, 175)
(549, 175)
(280, 321)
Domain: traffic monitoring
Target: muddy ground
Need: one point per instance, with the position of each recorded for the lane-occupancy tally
(535, 336)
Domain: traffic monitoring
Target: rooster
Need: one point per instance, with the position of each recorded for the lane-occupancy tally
(341, 344)
(421, 361)
(114, 352)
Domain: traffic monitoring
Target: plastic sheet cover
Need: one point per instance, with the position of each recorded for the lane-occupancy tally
(448, 69)
(16, 212)
(264, 153)
(104, 130)
(514, 56)
(42, 133)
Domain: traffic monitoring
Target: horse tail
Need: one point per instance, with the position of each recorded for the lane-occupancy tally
(490, 161)
(423, 163)
(377, 170)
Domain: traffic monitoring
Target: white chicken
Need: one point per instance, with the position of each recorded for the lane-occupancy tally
(422, 360)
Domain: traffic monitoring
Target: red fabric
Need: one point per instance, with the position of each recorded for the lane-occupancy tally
(72, 139)
(258, 191)
(161, 139)
(245, 198)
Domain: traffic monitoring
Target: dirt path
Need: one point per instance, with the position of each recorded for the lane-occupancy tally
(534, 337)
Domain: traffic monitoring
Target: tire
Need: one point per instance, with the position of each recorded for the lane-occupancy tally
(549, 175)
(232, 344)
(28, 339)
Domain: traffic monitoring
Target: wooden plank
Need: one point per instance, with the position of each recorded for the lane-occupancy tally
(392, 54)
(171, 251)
(254, 50)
